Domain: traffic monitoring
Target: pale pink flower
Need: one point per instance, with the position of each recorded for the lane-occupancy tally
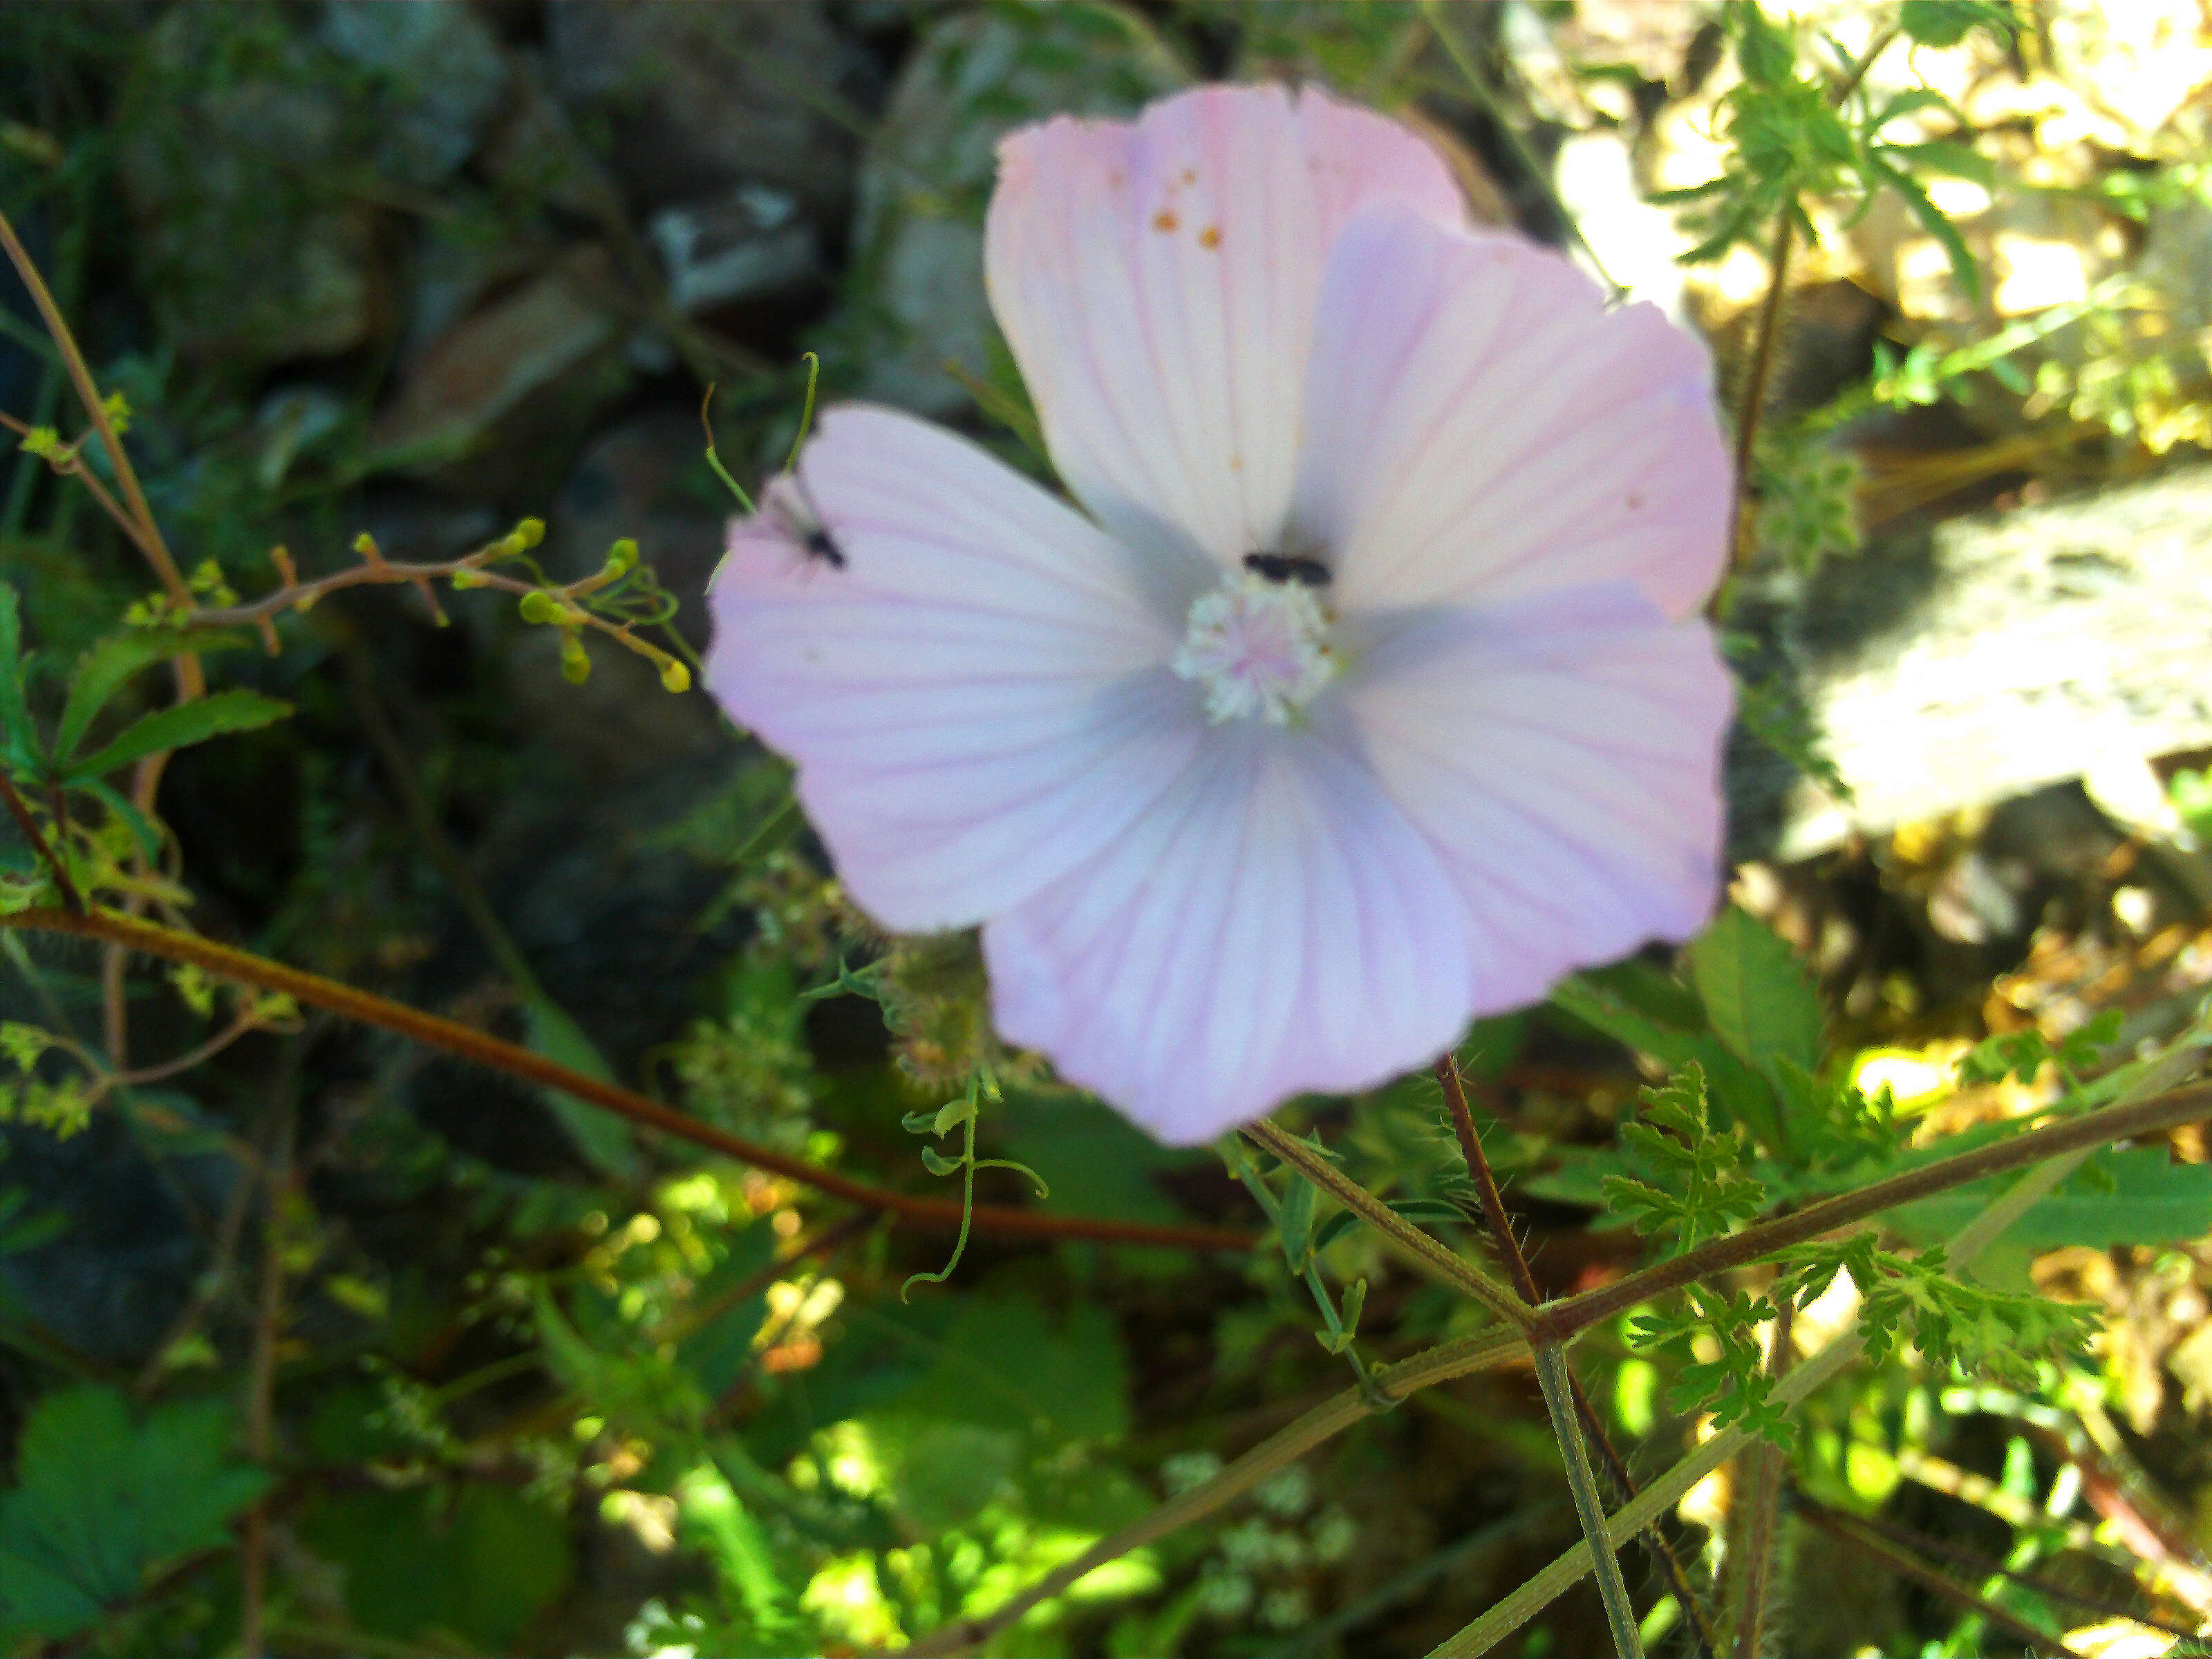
(1232, 838)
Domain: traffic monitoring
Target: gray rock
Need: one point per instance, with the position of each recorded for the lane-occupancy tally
(440, 75)
(696, 98)
(2008, 651)
(919, 232)
(253, 252)
(749, 242)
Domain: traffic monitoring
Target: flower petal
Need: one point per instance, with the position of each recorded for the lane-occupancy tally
(1562, 753)
(1157, 281)
(976, 698)
(1478, 425)
(1272, 925)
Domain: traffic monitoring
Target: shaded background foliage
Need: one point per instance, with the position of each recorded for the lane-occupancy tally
(468, 1367)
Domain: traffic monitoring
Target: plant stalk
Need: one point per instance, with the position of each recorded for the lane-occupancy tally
(1589, 1508)
(1460, 1273)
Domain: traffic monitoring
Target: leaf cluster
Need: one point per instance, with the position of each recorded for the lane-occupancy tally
(1795, 131)
(1696, 1189)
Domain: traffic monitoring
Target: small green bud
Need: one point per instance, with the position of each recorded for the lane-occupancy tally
(365, 544)
(675, 677)
(464, 579)
(576, 662)
(527, 533)
(622, 557)
(540, 606)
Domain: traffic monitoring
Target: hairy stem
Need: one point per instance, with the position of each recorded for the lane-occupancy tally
(1906, 1565)
(1969, 1241)
(1461, 1275)
(468, 1044)
(1517, 1264)
(2121, 1120)
(1589, 1508)
(1761, 1520)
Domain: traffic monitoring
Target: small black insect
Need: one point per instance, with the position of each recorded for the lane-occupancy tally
(1288, 568)
(793, 503)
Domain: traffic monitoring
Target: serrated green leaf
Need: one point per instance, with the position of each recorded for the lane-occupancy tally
(1295, 1220)
(108, 665)
(1759, 1001)
(103, 1500)
(1935, 221)
(143, 833)
(180, 726)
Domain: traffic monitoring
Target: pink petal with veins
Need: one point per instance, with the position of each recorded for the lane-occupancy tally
(1478, 425)
(1157, 281)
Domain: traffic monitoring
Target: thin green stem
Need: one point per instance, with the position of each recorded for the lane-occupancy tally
(1589, 1508)
(1454, 1270)
(1539, 175)
(1483, 1352)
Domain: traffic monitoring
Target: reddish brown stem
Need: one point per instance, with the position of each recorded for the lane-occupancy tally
(1761, 1521)
(19, 810)
(468, 1044)
(1559, 1320)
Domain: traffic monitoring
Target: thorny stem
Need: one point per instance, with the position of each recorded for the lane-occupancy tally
(1902, 1562)
(468, 1044)
(47, 853)
(1517, 1264)
(1589, 1508)
(1752, 403)
(1462, 1274)
(1485, 1351)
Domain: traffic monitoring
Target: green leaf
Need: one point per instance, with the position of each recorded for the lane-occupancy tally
(1759, 1001)
(142, 829)
(1429, 1209)
(104, 1500)
(1651, 1013)
(1934, 221)
(478, 1568)
(2124, 1196)
(179, 728)
(603, 1139)
(1947, 159)
(15, 732)
(107, 666)
(1945, 23)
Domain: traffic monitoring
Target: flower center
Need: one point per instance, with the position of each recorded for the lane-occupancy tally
(1258, 648)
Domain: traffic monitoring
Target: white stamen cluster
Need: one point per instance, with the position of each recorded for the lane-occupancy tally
(1258, 648)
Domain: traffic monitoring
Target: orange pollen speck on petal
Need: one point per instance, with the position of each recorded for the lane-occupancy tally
(1164, 220)
(1190, 175)
(1210, 237)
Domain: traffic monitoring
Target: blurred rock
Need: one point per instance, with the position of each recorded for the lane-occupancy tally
(750, 243)
(2005, 652)
(697, 98)
(439, 76)
(508, 390)
(929, 168)
(251, 246)
(534, 154)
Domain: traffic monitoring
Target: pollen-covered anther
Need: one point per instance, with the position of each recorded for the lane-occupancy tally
(1258, 648)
